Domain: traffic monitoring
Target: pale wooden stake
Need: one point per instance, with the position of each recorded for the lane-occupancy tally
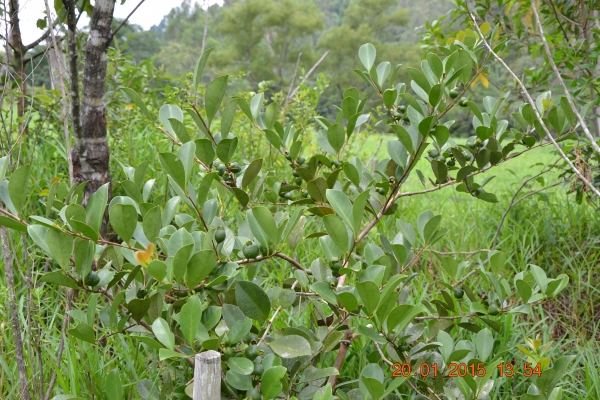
(207, 376)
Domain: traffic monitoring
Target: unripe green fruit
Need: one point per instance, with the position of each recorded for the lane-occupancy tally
(454, 93)
(141, 293)
(181, 293)
(335, 264)
(459, 293)
(258, 370)
(220, 235)
(253, 394)
(298, 181)
(402, 109)
(250, 250)
(381, 191)
(479, 192)
(251, 337)
(451, 163)
(493, 310)
(332, 280)
(463, 102)
(227, 353)
(235, 167)
(441, 159)
(221, 169)
(295, 173)
(404, 347)
(288, 195)
(287, 155)
(263, 250)
(251, 352)
(433, 153)
(92, 279)
(300, 160)
(305, 194)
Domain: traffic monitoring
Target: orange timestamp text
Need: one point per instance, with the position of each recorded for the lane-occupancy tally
(463, 369)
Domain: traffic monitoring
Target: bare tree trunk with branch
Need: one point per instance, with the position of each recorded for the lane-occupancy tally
(18, 53)
(91, 153)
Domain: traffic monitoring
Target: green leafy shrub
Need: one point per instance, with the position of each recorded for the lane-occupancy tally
(183, 269)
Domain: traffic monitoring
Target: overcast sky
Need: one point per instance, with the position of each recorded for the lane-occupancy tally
(151, 12)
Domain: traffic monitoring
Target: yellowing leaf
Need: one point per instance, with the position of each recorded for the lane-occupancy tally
(460, 36)
(545, 104)
(497, 36)
(150, 249)
(484, 81)
(44, 192)
(526, 19)
(485, 27)
(142, 257)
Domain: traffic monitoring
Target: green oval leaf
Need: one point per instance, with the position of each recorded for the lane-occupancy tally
(291, 346)
(252, 300)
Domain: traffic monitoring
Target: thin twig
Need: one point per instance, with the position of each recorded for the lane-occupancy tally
(289, 95)
(44, 35)
(293, 262)
(308, 74)
(464, 278)
(124, 21)
(513, 202)
(264, 336)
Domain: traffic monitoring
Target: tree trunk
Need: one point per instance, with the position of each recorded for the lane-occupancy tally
(73, 69)
(18, 53)
(90, 153)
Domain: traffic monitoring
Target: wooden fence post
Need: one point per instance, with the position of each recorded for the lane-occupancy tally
(207, 376)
